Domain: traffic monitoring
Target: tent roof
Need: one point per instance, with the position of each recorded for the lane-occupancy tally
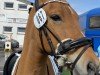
(93, 12)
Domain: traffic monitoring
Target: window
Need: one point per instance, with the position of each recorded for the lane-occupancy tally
(21, 30)
(7, 29)
(9, 5)
(22, 7)
(95, 22)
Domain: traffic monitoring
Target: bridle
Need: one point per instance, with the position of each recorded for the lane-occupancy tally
(37, 6)
(45, 30)
(63, 48)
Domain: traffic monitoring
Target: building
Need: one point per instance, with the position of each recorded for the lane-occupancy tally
(13, 19)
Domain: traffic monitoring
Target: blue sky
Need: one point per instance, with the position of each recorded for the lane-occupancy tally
(82, 6)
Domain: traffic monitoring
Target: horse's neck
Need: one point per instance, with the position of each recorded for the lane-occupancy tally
(32, 62)
(31, 65)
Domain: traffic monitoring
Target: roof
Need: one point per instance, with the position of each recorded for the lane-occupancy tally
(92, 12)
(83, 17)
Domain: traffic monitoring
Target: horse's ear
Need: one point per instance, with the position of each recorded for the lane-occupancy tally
(29, 10)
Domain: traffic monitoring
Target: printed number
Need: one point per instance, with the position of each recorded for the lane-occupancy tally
(40, 17)
(42, 14)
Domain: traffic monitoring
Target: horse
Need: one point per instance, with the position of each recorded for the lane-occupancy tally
(60, 27)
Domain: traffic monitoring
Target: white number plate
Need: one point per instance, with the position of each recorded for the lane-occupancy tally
(40, 18)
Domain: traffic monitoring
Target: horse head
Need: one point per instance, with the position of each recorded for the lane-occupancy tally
(59, 24)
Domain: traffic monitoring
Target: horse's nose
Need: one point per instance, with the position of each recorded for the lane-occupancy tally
(93, 69)
(64, 47)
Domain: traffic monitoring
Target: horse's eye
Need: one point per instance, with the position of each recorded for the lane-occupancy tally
(55, 17)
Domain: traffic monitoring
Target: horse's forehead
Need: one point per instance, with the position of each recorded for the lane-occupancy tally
(51, 6)
(60, 9)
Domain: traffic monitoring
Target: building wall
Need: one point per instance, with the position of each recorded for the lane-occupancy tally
(13, 18)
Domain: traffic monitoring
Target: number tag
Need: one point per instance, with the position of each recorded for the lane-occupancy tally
(40, 18)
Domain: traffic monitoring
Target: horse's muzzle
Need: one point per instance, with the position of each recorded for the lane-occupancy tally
(93, 69)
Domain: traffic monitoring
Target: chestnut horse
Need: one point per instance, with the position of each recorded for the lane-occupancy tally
(61, 24)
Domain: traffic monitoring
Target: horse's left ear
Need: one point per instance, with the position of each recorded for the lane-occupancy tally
(29, 10)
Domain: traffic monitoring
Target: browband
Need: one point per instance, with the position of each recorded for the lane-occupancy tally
(51, 1)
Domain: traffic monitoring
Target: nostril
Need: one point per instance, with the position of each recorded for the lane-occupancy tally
(91, 68)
